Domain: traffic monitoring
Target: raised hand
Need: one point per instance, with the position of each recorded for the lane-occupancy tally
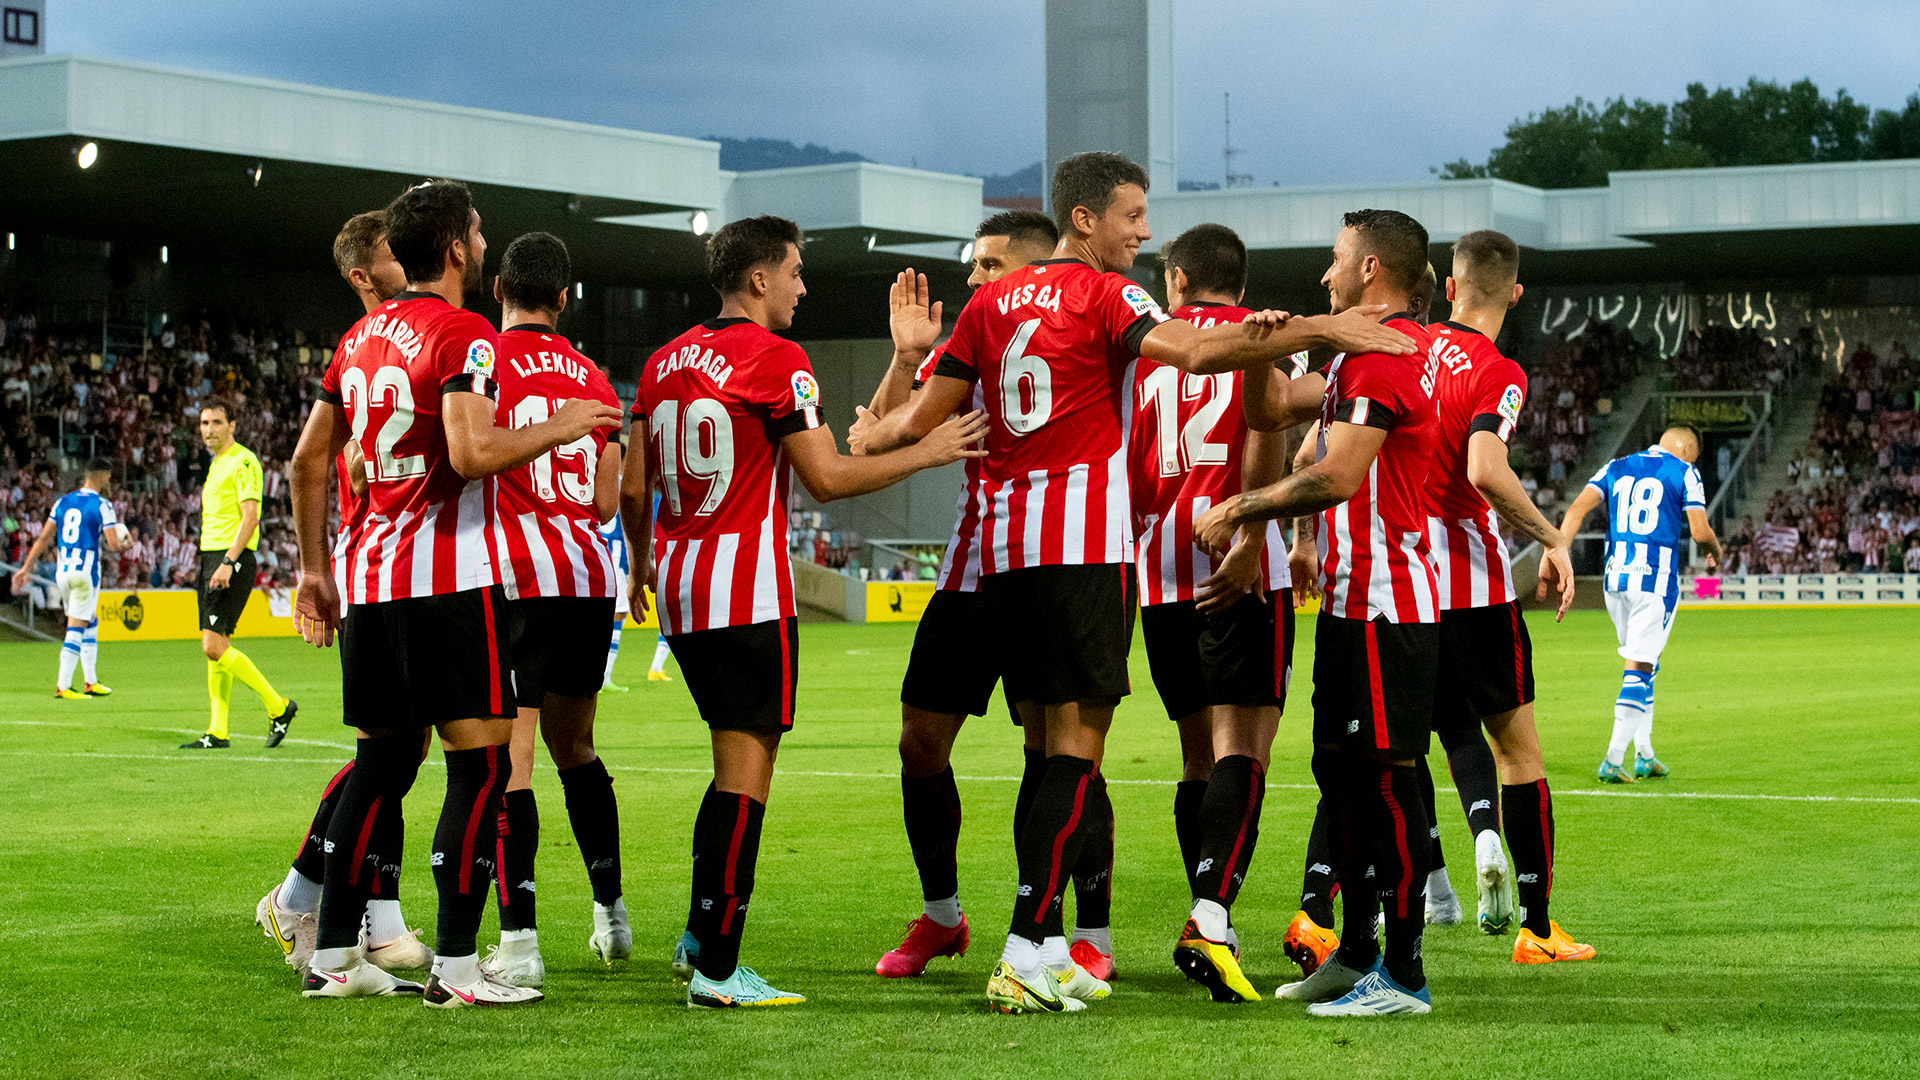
(913, 315)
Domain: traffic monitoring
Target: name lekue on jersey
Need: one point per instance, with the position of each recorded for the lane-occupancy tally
(528, 364)
(405, 338)
(692, 357)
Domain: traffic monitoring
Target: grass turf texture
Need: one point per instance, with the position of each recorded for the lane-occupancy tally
(1736, 936)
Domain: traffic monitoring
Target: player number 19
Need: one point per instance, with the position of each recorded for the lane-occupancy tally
(698, 444)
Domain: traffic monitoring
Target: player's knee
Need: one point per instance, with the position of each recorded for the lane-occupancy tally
(926, 743)
(213, 649)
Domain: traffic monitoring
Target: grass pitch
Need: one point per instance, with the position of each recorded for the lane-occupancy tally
(1756, 915)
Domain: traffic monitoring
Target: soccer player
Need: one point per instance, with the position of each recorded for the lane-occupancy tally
(954, 664)
(288, 914)
(1486, 656)
(423, 634)
(82, 522)
(1050, 345)
(723, 412)
(1219, 633)
(559, 581)
(229, 535)
(1377, 640)
(1647, 496)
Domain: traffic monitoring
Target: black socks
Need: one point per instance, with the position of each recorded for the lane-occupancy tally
(1478, 780)
(595, 816)
(932, 809)
(1435, 857)
(1230, 819)
(726, 848)
(1529, 812)
(1030, 774)
(519, 826)
(311, 860)
(1093, 870)
(1321, 880)
(1188, 797)
(382, 773)
(1050, 845)
(467, 843)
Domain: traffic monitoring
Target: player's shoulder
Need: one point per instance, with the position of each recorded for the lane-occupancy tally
(1211, 314)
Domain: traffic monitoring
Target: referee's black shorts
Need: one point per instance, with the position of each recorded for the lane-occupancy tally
(220, 608)
(426, 660)
(559, 646)
(956, 657)
(1373, 684)
(1486, 667)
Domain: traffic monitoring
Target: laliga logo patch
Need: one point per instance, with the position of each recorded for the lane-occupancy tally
(1137, 299)
(480, 358)
(806, 392)
(1510, 404)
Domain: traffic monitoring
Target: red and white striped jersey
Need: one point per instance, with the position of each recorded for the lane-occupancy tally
(1373, 547)
(1050, 346)
(715, 403)
(961, 565)
(353, 511)
(1479, 390)
(545, 527)
(1183, 457)
(425, 531)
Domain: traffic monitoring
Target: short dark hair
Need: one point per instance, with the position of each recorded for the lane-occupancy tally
(1492, 261)
(1398, 241)
(1425, 293)
(535, 271)
(1089, 180)
(1213, 258)
(353, 248)
(739, 246)
(424, 223)
(227, 408)
(1022, 228)
(100, 465)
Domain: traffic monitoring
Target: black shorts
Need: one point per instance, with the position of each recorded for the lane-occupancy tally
(1242, 656)
(425, 660)
(1486, 667)
(220, 608)
(955, 661)
(1373, 684)
(742, 678)
(559, 646)
(1064, 631)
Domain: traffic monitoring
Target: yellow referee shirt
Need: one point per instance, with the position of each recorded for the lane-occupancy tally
(233, 478)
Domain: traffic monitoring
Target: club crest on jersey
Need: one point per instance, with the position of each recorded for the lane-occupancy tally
(480, 358)
(1510, 404)
(1137, 299)
(806, 392)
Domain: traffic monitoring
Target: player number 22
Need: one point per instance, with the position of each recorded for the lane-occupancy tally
(1636, 504)
(696, 443)
(361, 394)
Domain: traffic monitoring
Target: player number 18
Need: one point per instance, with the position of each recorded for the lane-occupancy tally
(1636, 504)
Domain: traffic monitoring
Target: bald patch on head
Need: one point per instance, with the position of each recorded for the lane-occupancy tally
(1681, 442)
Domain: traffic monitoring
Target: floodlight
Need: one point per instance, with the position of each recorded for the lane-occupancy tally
(89, 153)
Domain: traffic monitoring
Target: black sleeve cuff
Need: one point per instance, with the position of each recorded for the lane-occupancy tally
(331, 397)
(1493, 422)
(1137, 333)
(917, 384)
(1366, 412)
(469, 383)
(794, 422)
(955, 369)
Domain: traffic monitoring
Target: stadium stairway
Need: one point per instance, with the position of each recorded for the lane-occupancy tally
(1796, 411)
(1612, 435)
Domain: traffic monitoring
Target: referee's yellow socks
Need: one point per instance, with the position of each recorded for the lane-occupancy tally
(235, 663)
(219, 686)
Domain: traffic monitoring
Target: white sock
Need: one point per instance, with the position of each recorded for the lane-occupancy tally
(333, 959)
(945, 912)
(69, 658)
(613, 650)
(1209, 916)
(530, 936)
(1022, 956)
(1054, 954)
(1101, 936)
(456, 969)
(660, 654)
(299, 893)
(1643, 735)
(384, 922)
(1438, 887)
(90, 655)
(1624, 720)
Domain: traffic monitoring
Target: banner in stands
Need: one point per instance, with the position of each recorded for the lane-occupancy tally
(1798, 589)
(174, 614)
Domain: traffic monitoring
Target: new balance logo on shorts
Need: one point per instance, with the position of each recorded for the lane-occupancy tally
(1353, 727)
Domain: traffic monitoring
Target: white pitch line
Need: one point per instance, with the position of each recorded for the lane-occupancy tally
(40, 723)
(1729, 796)
(302, 742)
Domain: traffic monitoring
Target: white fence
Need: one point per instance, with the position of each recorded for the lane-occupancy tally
(1752, 589)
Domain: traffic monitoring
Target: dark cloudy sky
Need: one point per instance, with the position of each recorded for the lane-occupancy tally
(1323, 92)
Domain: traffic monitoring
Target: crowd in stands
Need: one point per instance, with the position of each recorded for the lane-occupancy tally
(1570, 381)
(62, 398)
(1852, 504)
(1724, 358)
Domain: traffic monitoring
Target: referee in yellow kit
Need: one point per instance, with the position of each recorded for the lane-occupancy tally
(229, 535)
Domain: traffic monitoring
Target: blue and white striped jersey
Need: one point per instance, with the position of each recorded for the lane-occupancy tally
(616, 541)
(1647, 496)
(79, 518)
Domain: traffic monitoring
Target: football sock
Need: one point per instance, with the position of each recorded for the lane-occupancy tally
(945, 911)
(1438, 884)
(1317, 886)
(1093, 871)
(595, 816)
(932, 808)
(1022, 955)
(311, 860)
(90, 652)
(1100, 937)
(726, 840)
(519, 828)
(1435, 857)
(1230, 826)
(1188, 797)
(613, 649)
(69, 658)
(390, 835)
(467, 842)
(1643, 731)
(1354, 839)
(219, 689)
(1477, 779)
(1633, 704)
(384, 922)
(1030, 774)
(660, 653)
(459, 970)
(237, 665)
(1400, 862)
(1050, 845)
(383, 771)
(1054, 953)
(299, 893)
(1529, 810)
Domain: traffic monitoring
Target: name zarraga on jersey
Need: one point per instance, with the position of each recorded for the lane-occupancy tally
(527, 364)
(1029, 295)
(717, 367)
